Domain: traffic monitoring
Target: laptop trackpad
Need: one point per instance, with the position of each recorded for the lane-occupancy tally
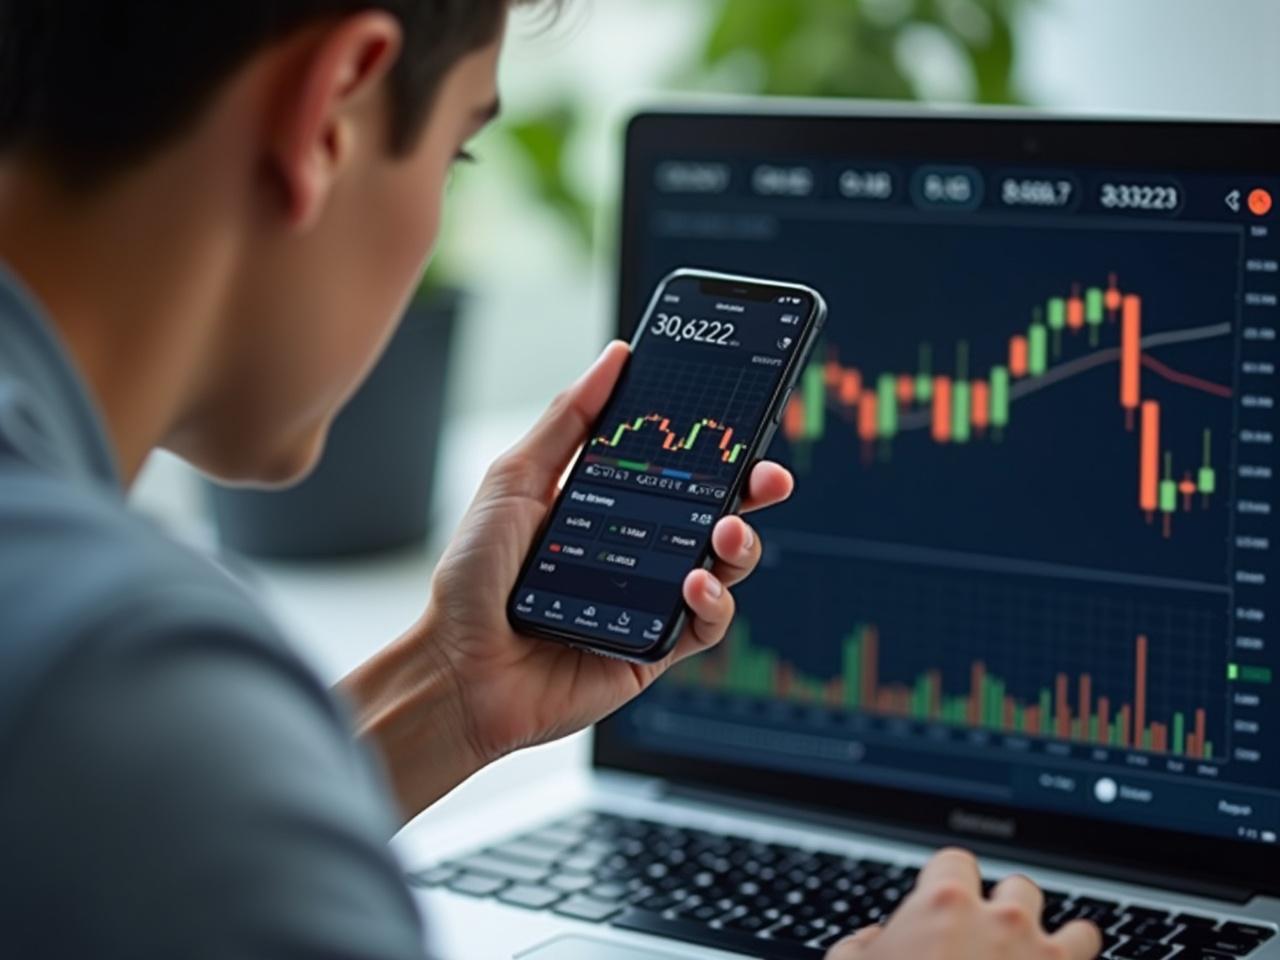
(588, 948)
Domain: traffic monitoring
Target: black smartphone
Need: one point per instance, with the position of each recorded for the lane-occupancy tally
(712, 363)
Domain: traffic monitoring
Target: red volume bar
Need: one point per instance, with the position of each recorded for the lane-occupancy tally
(1130, 355)
(1018, 356)
(942, 409)
(1149, 459)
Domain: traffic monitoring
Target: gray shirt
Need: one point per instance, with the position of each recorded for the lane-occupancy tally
(173, 781)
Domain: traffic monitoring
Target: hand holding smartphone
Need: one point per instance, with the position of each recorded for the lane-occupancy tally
(713, 361)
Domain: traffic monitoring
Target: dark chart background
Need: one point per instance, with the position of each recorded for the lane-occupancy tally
(956, 584)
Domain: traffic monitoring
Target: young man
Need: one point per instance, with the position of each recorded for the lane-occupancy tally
(210, 215)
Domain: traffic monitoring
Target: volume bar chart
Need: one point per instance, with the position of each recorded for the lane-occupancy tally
(1067, 708)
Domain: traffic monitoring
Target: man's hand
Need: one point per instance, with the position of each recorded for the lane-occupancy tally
(462, 688)
(519, 691)
(946, 918)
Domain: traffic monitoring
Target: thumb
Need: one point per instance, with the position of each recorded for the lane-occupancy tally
(547, 447)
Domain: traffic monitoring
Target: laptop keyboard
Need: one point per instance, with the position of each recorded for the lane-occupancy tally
(767, 899)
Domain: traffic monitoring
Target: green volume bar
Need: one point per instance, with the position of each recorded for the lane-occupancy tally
(1057, 313)
(924, 374)
(1179, 733)
(961, 396)
(1207, 481)
(886, 405)
(1037, 349)
(1093, 312)
(1168, 487)
(961, 407)
(999, 397)
(1057, 321)
(853, 670)
(815, 401)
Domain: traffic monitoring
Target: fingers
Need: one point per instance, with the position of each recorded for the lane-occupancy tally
(737, 550)
(852, 947)
(554, 439)
(1020, 890)
(711, 607)
(1080, 940)
(951, 866)
(768, 484)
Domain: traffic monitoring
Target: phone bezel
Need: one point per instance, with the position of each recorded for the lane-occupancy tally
(761, 436)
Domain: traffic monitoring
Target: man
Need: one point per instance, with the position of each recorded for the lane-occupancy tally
(210, 215)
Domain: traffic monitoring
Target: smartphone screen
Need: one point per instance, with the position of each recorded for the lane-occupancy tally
(711, 364)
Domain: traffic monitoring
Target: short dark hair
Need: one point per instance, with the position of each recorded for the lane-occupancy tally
(91, 85)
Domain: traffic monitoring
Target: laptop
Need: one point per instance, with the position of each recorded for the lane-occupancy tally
(1025, 597)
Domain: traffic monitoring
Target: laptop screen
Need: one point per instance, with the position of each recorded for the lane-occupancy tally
(1030, 564)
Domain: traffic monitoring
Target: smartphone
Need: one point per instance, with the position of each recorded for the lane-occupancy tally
(712, 363)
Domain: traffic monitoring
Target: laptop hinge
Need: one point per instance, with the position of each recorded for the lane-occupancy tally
(1194, 886)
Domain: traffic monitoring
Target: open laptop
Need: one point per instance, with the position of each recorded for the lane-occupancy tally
(1026, 596)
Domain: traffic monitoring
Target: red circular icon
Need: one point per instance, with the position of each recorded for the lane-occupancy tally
(1259, 202)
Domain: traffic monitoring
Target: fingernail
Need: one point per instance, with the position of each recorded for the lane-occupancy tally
(749, 540)
(713, 588)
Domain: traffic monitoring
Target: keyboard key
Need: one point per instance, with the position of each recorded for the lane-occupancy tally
(570, 882)
(473, 884)
(749, 922)
(733, 941)
(1195, 920)
(1146, 913)
(432, 876)
(525, 852)
(1144, 929)
(1206, 938)
(1256, 931)
(1191, 953)
(529, 895)
(796, 932)
(584, 908)
(609, 890)
(1142, 950)
(583, 862)
(498, 867)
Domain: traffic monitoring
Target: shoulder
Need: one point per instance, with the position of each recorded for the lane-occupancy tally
(79, 569)
(180, 776)
(59, 536)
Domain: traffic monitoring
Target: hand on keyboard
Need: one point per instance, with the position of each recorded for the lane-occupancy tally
(947, 918)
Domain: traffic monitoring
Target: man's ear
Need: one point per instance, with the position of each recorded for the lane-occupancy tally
(329, 89)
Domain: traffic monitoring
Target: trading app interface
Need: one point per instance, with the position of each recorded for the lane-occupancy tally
(640, 504)
(1031, 557)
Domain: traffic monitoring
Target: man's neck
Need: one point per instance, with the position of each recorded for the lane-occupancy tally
(132, 277)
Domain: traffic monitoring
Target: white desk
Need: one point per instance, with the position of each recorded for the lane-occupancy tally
(338, 613)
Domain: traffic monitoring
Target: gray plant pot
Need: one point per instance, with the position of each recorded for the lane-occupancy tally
(372, 489)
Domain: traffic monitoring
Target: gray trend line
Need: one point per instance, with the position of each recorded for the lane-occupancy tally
(920, 419)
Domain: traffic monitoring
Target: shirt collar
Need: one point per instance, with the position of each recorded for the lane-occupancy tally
(46, 413)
